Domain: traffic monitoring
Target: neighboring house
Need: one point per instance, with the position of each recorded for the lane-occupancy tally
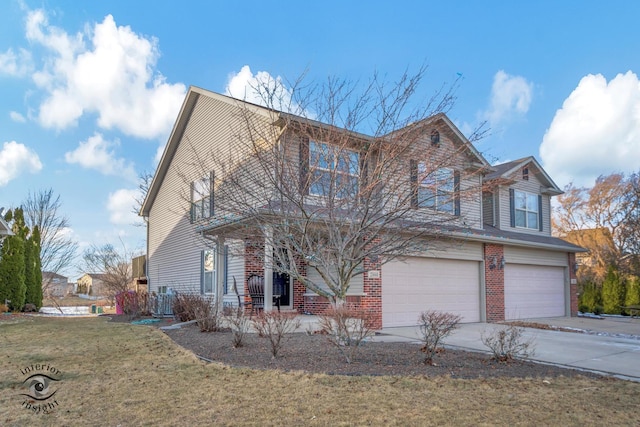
(504, 263)
(5, 230)
(139, 272)
(55, 285)
(92, 284)
(599, 244)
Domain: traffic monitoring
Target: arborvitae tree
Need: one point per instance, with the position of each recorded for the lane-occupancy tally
(35, 236)
(633, 291)
(12, 266)
(612, 292)
(590, 299)
(33, 275)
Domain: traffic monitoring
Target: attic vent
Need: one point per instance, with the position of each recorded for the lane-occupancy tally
(435, 137)
(525, 173)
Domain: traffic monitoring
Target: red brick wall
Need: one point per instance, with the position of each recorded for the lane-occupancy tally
(372, 299)
(253, 263)
(494, 282)
(573, 288)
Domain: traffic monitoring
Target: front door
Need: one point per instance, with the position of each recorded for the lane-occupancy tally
(281, 286)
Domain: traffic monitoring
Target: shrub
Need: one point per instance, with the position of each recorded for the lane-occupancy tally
(133, 304)
(29, 308)
(435, 326)
(590, 298)
(3, 308)
(239, 323)
(612, 292)
(633, 291)
(274, 325)
(508, 344)
(202, 309)
(346, 328)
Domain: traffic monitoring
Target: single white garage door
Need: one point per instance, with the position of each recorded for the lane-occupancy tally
(419, 284)
(533, 291)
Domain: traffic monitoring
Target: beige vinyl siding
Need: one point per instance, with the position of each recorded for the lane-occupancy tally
(356, 287)
(173, 246)
(532, 186)
(519, 255)
(235, 268)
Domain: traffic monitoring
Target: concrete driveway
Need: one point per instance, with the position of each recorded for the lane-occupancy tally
(610, 346)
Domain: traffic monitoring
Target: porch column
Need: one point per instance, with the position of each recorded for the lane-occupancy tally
(268, 269)
(220, 271)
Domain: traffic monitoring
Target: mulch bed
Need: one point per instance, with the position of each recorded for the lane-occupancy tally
(313, 353)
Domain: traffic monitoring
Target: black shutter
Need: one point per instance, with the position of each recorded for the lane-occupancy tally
(304, 165)
(211, 188)
(413, 176)
(192, 209)
(226, 270)
(512, 207)
(456, 191)
(540, 226)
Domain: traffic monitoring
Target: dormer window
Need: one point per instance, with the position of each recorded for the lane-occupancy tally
(435, 137)
(525, 173)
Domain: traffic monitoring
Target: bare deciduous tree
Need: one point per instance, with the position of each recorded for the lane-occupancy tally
(356, 178)
(603, 219)
(115, 266)
(58, 249)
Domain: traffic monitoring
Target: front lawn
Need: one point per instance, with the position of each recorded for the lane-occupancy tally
(120, 374)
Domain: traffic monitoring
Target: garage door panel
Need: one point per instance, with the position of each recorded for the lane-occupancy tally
(420, 284)
(534, 291)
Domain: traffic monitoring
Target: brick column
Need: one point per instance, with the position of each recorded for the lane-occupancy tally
(253, 263)
(573, 285)
(372, 299)
(494, 282)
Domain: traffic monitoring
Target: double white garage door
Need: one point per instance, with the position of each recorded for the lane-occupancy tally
(416, 284)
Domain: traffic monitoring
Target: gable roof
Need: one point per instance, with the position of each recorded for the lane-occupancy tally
(48, 275)
(188, 105)
(505, 170)
(194, 94)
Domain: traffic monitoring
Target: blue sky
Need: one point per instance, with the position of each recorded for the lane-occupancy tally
(89, 90)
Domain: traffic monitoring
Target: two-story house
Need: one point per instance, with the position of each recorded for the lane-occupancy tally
(492, 256)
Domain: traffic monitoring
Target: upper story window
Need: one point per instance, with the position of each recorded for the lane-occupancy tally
(436, 190)
(525, 173)
(435, 137)
(526, 210)
(333, 170)
(202, 198)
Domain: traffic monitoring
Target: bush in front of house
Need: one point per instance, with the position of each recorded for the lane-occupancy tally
(346, 328)
(434, 327)
(275, 325)
(508, 344)
(202, 309)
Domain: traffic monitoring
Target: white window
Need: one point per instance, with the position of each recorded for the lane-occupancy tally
(436, 189)
(333, 170)
(202, 198)
(527, 210)
(208, 271)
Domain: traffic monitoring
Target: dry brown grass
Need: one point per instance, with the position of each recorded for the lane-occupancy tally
(120, 374)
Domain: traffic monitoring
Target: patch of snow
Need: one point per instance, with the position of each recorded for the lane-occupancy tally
(66, 311)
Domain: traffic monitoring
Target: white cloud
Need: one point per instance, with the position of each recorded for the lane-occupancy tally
(262, 89)
(15, 64)
(97, 153)
(597, 130)
(16, 158)
(120, 206)
(509, 95)
(107, 70)
(17, 117)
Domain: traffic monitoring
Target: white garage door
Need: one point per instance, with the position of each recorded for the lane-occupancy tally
(533, 291)
(419, 284)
